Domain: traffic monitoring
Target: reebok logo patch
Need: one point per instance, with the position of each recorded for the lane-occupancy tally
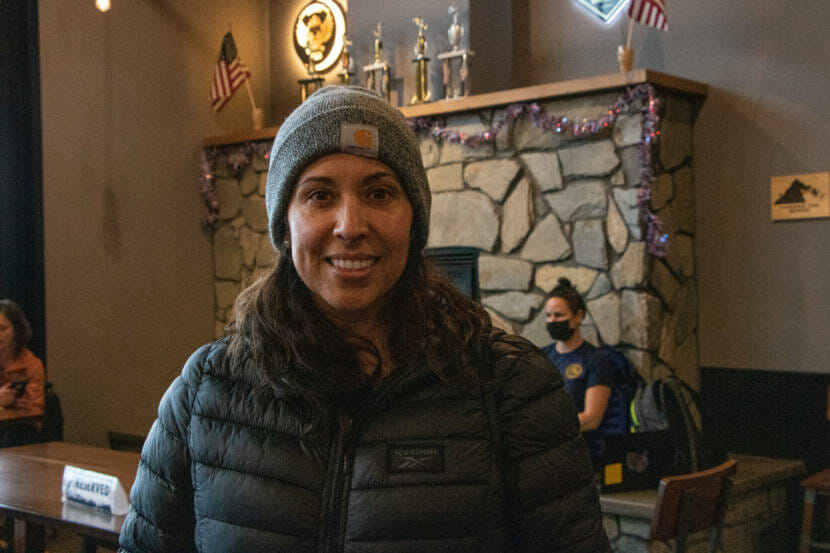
(360, 140)
(416, 457)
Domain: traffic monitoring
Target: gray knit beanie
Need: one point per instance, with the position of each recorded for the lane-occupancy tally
(353, 120)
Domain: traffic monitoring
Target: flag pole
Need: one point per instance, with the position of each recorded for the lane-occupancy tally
(250, 94)
(247, 80)
(630, 27)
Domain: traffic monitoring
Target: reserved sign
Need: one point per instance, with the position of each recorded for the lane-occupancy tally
(95, 489)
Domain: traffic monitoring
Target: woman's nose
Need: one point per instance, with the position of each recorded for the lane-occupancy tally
(352, 220)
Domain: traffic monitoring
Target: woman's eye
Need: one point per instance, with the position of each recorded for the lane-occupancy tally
(319, 195)
(379, 194)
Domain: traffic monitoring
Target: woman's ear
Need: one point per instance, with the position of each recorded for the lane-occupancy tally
(580, 315)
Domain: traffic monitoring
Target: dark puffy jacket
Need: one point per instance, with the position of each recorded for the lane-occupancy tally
(228, 467)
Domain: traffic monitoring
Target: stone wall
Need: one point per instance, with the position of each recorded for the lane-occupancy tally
(242, 250)
(538, 205)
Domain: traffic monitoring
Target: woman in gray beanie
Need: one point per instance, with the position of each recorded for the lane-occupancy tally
(361, 403)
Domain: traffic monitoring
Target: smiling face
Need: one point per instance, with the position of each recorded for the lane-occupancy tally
(349, 224)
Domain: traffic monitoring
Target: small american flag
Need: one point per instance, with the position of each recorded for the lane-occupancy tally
(229, 75)
(649, 12)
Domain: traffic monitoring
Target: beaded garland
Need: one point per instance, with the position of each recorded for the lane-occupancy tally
(236, 159)
(656, 241)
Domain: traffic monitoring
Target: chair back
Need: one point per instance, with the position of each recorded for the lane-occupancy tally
(688, 503)
(52, 430)
(121, 441)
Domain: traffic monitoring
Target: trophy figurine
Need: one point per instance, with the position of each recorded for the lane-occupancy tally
(456, 32)
(378, 33)
(456, 75)
(422, 92)
(346, 63)
(379, 67)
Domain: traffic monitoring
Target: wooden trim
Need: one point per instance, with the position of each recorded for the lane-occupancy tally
(236, 138)
(552, 90)
(504, 97)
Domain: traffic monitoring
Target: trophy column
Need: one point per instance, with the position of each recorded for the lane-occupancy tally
(422, 92)
(456, 74)
(312, 83)
(378, 68)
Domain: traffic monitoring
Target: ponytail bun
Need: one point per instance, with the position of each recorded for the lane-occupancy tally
(568, 292)
(564, 285)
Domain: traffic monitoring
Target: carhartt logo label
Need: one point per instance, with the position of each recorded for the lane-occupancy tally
(416, 458)
(361, 140)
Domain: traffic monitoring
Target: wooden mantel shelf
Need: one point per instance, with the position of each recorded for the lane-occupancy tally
(514, 95)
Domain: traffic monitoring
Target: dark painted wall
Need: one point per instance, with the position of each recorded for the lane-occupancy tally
(763, 286)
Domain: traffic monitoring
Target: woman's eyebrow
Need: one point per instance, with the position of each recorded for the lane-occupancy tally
(316, 179)
(379, 175)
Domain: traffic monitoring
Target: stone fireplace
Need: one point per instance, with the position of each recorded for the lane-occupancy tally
(538, 205)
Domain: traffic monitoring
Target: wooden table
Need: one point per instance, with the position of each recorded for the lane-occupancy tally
(30, 488)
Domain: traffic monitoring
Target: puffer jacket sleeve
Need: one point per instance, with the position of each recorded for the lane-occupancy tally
(555, 502)
(160, 518)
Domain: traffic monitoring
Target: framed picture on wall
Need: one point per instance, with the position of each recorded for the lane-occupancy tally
(800, 196)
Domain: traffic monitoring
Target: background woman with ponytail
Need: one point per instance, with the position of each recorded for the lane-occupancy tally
(586, 369)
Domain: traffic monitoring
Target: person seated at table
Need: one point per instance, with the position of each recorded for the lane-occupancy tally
(586, 369)
(22, 377)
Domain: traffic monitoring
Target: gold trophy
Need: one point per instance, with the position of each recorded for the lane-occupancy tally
(379, 67)
(346, 63)
(422, 92)
(456, 81)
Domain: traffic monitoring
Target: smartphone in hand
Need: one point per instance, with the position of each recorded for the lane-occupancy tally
(19, 387)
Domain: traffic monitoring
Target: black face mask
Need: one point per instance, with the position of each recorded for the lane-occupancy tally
(560, 330)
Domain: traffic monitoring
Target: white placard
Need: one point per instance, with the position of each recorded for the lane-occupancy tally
(95, 489)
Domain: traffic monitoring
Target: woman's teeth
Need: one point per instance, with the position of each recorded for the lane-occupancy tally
(352, 263)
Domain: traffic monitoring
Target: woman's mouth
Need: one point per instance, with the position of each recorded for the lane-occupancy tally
(352, 264)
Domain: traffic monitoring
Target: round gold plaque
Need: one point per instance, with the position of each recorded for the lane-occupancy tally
(318, 34)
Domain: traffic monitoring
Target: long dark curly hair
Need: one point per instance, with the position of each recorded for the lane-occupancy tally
(276, 327)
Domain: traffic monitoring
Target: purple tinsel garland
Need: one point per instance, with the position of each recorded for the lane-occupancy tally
(237, 158)
(656, 241)
(233, 159)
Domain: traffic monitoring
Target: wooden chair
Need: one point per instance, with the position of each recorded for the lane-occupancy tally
(125, 442)
(689, 503)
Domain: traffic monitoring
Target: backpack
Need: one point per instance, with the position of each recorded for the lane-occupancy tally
(671, 404)
(626, 382)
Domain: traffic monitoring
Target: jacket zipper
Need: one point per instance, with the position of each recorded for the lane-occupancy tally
(334, 517)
